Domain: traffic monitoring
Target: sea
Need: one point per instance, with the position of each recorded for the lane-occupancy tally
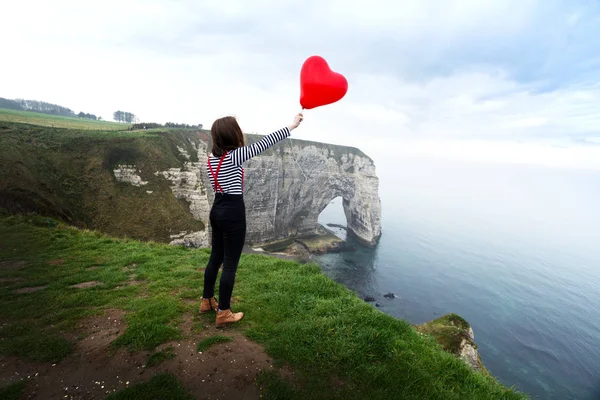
(514, 249)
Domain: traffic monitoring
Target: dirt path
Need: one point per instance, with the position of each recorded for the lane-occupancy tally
(225, 371)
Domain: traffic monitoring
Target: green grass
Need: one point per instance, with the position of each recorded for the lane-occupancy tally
(58, 121)
(160, 356)
(163, 386)
(338, 346)
(21, 339)
(208, 342)
(151, 323)
(154, 307)
(13, 392)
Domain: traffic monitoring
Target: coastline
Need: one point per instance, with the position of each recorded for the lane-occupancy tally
(452, 332)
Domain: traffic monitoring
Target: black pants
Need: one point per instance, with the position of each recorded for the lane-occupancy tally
(228, 222)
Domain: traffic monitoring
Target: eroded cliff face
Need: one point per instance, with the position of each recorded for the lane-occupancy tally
(285, 190)
(187, 184)
(288, 186)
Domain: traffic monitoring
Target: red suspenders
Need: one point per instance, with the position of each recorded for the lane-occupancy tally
(217, 186)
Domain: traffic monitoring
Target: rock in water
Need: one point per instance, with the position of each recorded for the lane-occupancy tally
(389, 295)
(369, 299)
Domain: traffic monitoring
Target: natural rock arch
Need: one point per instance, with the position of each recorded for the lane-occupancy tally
(288, 186)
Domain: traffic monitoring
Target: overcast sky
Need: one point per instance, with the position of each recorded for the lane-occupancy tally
(509, 80)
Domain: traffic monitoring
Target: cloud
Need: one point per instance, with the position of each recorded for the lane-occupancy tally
(504, 70)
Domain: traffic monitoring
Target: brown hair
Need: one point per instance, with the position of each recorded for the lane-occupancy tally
(226, 135)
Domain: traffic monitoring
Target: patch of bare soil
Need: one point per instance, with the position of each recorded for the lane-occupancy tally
(85, 285)
(93, 268)
(226, 371)
(58, 261)
(30, 289)
(12, 265)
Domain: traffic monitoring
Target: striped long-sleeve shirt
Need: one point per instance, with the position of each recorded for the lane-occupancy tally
(231, 172)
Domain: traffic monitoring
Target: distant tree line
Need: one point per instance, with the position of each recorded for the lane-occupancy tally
(146, 125)
(10, 104)
(151, 125)
(124, 116)
(87, 116)
(176, 125)
(36, 106)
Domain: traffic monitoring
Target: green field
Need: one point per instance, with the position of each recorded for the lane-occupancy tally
(338, 346)
(58, 121)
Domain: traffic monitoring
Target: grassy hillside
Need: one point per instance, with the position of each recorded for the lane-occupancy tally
(68, 173)
(58, 121)
(325, 342)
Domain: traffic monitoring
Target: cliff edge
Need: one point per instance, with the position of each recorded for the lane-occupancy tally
(455, 335)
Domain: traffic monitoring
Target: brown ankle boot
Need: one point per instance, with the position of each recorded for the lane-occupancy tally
(227, 317)
(208, 305)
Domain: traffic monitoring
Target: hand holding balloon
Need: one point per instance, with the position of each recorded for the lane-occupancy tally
(297, 119)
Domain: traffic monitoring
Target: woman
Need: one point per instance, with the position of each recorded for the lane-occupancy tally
(228, 213)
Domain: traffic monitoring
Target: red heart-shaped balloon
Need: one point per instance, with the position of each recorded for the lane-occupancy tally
(319, 85)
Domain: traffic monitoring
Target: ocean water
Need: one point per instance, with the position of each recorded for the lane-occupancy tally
(513, 249)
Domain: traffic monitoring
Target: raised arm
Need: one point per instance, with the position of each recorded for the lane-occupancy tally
(243, 154)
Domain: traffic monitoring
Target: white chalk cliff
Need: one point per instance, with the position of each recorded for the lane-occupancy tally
(285, 190)
(288, 186)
